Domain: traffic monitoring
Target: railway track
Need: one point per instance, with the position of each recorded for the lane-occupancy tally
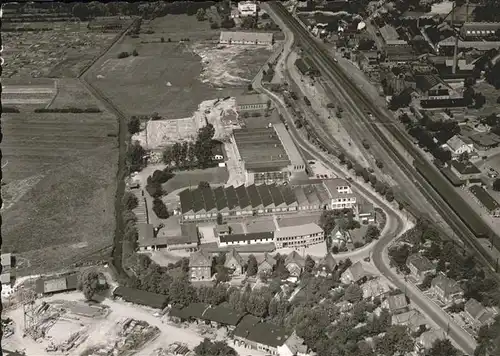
(331, 70)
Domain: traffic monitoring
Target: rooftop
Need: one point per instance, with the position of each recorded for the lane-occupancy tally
(328, 262)
(294, 257)
(448, 285)
(222, 315)
(261, 148)
(474, 308)
(455, 143)
(247, 237)
(57, 284)
(267, 334)
(429, 81)
(388, 33)
(200, 259)
(396, 302)
(411, 318)
(357, 271)
(484, 197)
(287, 142)
(428, 338)
(246, 36)
(251, 99)
(153, 300)
(465, 168)
(6, 259)
(420, 262)
(299, 230)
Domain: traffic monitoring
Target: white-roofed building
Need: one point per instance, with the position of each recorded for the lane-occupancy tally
(246, 38)
(341, 194)
(247, 8)
(299, 236)
(457, 146)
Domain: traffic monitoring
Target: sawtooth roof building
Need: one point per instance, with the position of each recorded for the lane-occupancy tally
(204, 204)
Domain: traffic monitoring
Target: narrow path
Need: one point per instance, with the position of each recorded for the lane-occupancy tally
(122, 138)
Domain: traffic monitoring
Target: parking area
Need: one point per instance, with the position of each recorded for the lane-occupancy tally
(320, 171)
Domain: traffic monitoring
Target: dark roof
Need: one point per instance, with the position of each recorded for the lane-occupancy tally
(302, 66)
(253, 194)
(428, 81)
(137, 296)
(420, 262)
(268, 334)
(232, 198)
(247, 237)
(62, 283)
(243, 198)
(178, 313)
(276, 195)
(223, 315)
(208, 198)
(220, 198)
(288, 195)
(265, 195)
(189, 234)
(465, 168)
(245, 325)
(195, 310)
(145, 231)
(484, 197)
(198, 203)
(200, 259)
(186, 200)
(474, 308)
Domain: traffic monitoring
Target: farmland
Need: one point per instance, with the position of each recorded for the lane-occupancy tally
(60, 52)
(172, 78)
(59, 171)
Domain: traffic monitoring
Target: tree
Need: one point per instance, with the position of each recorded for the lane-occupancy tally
(81, 11)
(496, 184)
(341, 158)
(442, 347)
(395, 341)
(309, 264)
(389, 195)
(89, 283)
(372, 233)
(216, 348)
(201, 15)
(219, 219)
(373, 180)
(135, 157)
(252, 266)
(134, 125)
(327, 221)
(160, 209)
(130, 201)
(353, 293)
(464, 157)
(203, 185)
(135, 53)
(162, 40)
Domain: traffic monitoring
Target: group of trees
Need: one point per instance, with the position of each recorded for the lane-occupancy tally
(188, 155)
(91, 282)
(214, 348)
(126, 54)
(155, 181)
(136, 157)
(148, 10)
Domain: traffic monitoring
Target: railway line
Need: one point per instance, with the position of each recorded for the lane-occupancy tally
(439, 198)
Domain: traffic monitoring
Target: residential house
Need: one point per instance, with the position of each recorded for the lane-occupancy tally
(326, 266)
(266, 265)
(396, 304)
(485, 200)
(375, 288)
(261, 336)
(295, 264)
(243, 38)
(411, 319)
(306, 67)
(432, 86)
(354, 274)
(200, 265)
(465, 171)
(340, 236)
(427, 339)
(298, 236)
(252, 102)
(234, 263)
(446, 289)
(477, 314)
(420, 266)
(457, 146)
(247, 8)
(293, 346)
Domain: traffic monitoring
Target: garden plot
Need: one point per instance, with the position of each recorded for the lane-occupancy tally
(27, 95)
(234, 65)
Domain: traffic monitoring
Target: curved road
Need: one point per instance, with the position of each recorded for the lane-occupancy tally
(380, 256)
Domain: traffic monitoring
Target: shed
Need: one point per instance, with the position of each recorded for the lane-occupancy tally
(137, 296)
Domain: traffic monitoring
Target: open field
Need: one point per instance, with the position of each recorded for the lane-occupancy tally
(171, 78)
(61, 52)
(71, 93)
(216, 175)
(59, 171)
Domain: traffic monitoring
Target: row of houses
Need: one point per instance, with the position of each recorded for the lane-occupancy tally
(246, 330)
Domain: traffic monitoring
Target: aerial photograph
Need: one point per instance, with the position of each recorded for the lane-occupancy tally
(250, 178)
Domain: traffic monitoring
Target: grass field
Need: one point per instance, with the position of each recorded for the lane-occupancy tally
(166, 77)
(71, 93)
(216, 175)
(59, 171)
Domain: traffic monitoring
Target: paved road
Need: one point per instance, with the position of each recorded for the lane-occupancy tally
(380, 258)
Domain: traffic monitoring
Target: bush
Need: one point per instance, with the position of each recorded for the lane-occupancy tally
(214, 26)
(160, 209)
(160, 177)
(130, 201)
(155, 190)
(10, 109)
(358, 244)
(123, 55)
(135, 53)
(162, 40)
(134, 125)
